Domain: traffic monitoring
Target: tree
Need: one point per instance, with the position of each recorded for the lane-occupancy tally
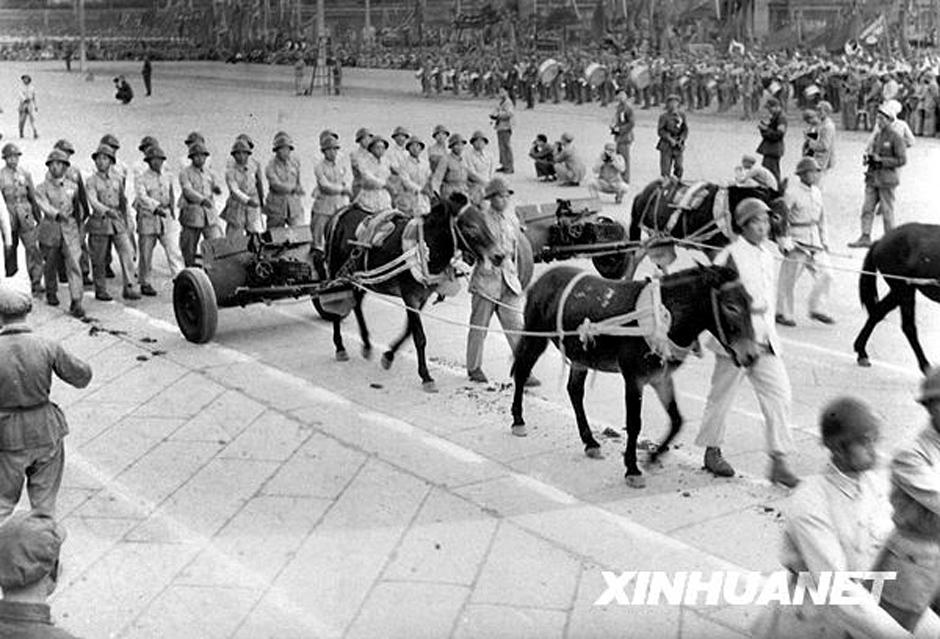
(904, 19)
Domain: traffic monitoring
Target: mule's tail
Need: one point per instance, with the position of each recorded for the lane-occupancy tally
(868, 281)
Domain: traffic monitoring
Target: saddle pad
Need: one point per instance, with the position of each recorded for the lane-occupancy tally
(721, 212)
(374, 230)
(655, 329)
(690, 196)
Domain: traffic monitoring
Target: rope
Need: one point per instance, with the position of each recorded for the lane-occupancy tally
(916, 281)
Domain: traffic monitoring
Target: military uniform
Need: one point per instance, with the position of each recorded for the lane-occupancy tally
(32, 427)
(198, 216)
(60, 236)
(107, 225)
(332, 194)
(673, 130)
(242, 212)
(283, 207)
(155, 223)
(19, 196)
(450, 176)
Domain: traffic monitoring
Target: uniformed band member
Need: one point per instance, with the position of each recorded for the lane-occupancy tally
(31, 427)
(29, 571)
(282, 207)
(242, 213)
(755, 260)
(451, 175)
(198, 215)
(334, 188)
(107, 225)
(673, 131)
(60, 231)
(156, 217)
(496, 288)
(19, 194)
(806, 246)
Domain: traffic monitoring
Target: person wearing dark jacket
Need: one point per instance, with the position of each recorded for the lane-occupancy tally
(772, 131)
(673, 130)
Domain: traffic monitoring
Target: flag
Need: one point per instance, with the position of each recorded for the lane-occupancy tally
(875, 30)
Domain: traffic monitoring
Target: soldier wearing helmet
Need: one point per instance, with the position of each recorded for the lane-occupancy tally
(805, 246)
(334, 187)
(242, 213)
(19, 194)
(60, 231)
(755, 259)
(156, 218)
(282, 207)
(913, 549)
(198, 215)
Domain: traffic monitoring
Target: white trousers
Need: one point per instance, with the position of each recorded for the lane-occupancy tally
(791, 268)
(771, 384)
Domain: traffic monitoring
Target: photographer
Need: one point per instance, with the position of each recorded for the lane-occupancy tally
(124, 94)
(885, 154)
(607, 174)
(543, 154)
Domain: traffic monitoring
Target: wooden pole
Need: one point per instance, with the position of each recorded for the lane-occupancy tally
(82, 59)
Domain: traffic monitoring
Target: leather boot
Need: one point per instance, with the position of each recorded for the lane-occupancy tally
(716, 464)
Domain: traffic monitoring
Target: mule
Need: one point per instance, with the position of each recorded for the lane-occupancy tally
(709, 298)
(908, 251)
(452, 225)
(653, 209)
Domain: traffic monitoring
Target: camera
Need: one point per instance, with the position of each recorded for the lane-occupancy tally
(871, 162)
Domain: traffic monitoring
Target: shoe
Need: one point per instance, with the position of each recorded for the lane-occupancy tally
(822, 317)
(864, 241)
(149, 291)
(131, 295)
(52, 300)
(477, 375)
(76, 310)
(500, 169)
(780, 473)
(784, 321)
(716, 464)
(103, 296)
(532, 382)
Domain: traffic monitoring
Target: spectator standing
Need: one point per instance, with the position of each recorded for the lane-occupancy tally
(503, 119)
(147, 73)
(772, 132)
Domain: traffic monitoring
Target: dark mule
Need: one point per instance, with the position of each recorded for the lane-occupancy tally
(653, 209)
(709, 298)
(451, 225)
(909, 251)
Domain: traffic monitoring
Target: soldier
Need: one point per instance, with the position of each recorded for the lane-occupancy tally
(242, 212)
(60, 231)
(415, 177)
(334, 188)
(357, 156)
(31, 447)
(198, 216)
(772, 131)
(622, 130)
(20, 198)
(374, 175)
(254, 166)
(439, 148)
(155, 215)
(282, 207)
(673, 131)
(73, 175)
(479, 166)
(395, 157)
(503, 119)
(107, 225)
(122, 172)
(451, 176)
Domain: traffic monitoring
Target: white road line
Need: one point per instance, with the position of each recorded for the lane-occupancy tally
(894, 368)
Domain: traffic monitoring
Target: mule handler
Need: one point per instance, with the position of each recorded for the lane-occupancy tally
(31, 427)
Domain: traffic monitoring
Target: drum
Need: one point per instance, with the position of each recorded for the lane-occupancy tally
(595, 74)
(474, 76)
(684, 80)
(811, 91)
(712, 84)
(774, 87)
(640, 75)
(548, 71)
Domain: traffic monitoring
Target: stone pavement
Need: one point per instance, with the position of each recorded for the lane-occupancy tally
(210, 495)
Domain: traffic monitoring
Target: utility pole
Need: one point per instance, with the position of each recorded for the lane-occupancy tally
(81, 36)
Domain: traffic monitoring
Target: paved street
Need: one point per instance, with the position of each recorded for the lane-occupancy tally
(254, 487)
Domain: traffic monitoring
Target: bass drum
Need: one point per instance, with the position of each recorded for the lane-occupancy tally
(640, 76)
(595, 74)
(548, 71)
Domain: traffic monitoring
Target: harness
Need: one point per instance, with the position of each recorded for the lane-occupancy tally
(689, 199)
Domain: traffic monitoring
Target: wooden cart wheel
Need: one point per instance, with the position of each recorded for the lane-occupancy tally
(194, 305)
(524, 260)
(613, 267)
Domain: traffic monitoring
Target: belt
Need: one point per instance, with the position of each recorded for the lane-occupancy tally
(800, 224)
(24, 409)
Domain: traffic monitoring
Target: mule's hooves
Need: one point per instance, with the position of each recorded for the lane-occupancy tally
(367, 352)
(635, 481)
(610, 433)
(864, 362)
(519, 430)
(386, 361)
(594, 453)
(429, 386)
(342, 356)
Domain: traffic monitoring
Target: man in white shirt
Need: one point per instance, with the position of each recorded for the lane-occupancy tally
(806, 246)
(755, 259)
